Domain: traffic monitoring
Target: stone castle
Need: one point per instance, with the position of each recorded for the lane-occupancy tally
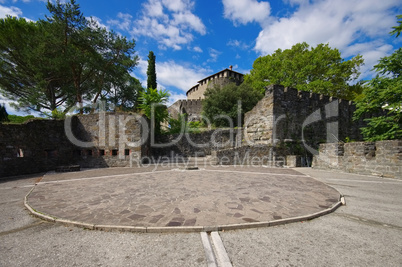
(286, 128)
(192, 106)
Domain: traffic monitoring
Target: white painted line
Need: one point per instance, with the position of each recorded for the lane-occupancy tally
(209, 253)
(222, 256)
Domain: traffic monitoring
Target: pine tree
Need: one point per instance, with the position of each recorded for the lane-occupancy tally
(63, 60)
(151, 72)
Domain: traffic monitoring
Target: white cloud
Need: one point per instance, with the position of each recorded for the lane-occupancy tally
(11, 11)
(171, 74)
(188, 20)
(178, 5)
(245, 11)
(154, 8)
(197, 49)
(238, 44)
(170, 22)
(123, 22)
(214, 54)
(339, 23)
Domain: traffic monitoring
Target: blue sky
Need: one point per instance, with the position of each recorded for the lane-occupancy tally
(196, 38)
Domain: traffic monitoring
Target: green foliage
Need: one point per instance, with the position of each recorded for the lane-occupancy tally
(125, 97)
(397, 29)
(220, 105)
(152, 104)
(15, 119)
(319, 70)
(383, 128)
(194, 126)
(383, 94)
(181, 125)
(151, 71)
(61, 61)
(3, 114)
(178, 125)
(56, 114)
(348, 140)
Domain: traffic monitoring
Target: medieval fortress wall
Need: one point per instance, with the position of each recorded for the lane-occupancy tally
(286, 114)
(96, 140)
(221, 78)
(192, 108)
(285, 126)
(381, 158)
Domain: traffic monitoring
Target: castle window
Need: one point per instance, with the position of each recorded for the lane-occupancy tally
(127, 152)
(101, 152)
(114, 152)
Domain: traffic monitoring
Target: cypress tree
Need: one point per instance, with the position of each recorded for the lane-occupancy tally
(151, 72)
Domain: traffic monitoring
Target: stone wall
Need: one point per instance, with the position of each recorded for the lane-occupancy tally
(97, 140)
(382, 158)
(195, 144)
(286, 114)
(250, 155)
(191, 107)
(264, 155)
(113, 139)
(35, 146)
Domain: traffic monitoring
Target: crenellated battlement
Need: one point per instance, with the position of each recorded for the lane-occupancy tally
(288, 93)
(285, 94)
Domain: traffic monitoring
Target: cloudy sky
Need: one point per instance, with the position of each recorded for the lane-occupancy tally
(196, 38)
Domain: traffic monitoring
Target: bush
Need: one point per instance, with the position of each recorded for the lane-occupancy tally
(220, 105)
(19, 119)
(181, 125)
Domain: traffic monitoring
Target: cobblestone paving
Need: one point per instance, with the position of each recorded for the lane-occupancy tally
(162, 197)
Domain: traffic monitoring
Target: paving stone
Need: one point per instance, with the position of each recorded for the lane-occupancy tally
(166, 197)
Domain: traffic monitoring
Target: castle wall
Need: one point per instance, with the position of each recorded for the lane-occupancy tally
(197, 92)
(382, 158)
(221, 78)
(191, 107)
(33, 147)
(195, 144)
(286, 114)
(107, 140)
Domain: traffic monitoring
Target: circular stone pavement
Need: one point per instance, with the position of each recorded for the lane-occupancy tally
(146, 198)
